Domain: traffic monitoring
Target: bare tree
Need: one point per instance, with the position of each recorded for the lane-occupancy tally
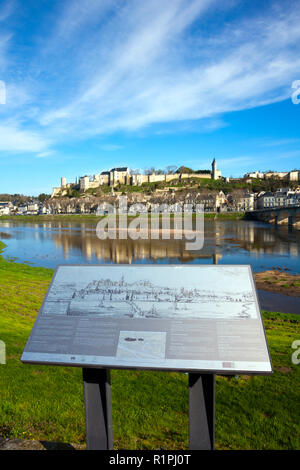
(170, 169)
(149, 171)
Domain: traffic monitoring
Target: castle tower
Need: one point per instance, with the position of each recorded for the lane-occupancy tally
(84, 183)
(215, 174)
(214, 169)
(63, 182)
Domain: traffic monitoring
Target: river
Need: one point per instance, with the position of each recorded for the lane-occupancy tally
(48, 244)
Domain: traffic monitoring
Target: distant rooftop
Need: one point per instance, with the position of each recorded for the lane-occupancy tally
(124, 168)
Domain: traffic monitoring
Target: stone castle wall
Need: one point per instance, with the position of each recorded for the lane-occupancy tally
(122, 176)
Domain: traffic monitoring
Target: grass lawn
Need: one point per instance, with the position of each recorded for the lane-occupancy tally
(150, 409)
(93, 218)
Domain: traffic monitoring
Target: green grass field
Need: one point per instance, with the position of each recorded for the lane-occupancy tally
(150, 409)
(93, 218)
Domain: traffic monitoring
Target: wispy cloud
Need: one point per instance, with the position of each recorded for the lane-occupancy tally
(226, 162)
(15, 139)
(110, 147)
(279, 142)
(6, 9)
(76, 15)
(261, 161)
(47, 153)
(106, 66)
(4, 40)
(146, 75)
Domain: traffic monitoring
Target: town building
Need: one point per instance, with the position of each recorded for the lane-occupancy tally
(265, 200)
(241, 201)
(293, 175)
(284, 197)
(6, 208)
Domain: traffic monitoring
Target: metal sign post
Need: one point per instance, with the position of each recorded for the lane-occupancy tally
(201, 411)
(98, 409)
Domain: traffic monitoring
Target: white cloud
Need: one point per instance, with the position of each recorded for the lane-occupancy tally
(146, 76)
(14, 139)
(17, 96)
(260, 161)
(239, 161)
(110, 147)
(4, 40)
(114, 65)
(277, 142)
(47, 153)
(6, 9)
(78, 14)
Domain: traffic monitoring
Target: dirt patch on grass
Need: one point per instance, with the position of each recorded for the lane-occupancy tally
(278, 281)
(283, 369)
(23, 444)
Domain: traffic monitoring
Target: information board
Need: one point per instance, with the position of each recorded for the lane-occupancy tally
(165, 317)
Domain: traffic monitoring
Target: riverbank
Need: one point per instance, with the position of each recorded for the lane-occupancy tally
(93, 218)
(278, 281)
(44, 404)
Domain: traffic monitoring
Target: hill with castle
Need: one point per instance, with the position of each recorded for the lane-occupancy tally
(124, 176)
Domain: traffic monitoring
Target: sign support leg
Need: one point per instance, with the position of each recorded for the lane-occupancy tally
(201, 411)
(98, 409)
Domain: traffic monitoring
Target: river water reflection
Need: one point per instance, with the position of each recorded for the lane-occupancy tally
(226, 242)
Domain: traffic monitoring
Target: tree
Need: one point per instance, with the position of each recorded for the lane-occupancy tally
(203, 172)
(149, 171)
(171, 169)
(185, 170)
(43, 197)
(135, 171)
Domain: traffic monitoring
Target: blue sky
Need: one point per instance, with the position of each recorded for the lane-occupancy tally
(92, 84)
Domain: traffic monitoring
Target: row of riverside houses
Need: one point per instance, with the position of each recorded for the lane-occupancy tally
(163, 200)
(284, 197)
(29, 208)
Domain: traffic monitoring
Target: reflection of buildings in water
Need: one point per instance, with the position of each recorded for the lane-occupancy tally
(220, 237)
(216, 258)
(127, 251)
(246, 233)
(265, 240)
(294, 249)
(62, 241)
(252, 238)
